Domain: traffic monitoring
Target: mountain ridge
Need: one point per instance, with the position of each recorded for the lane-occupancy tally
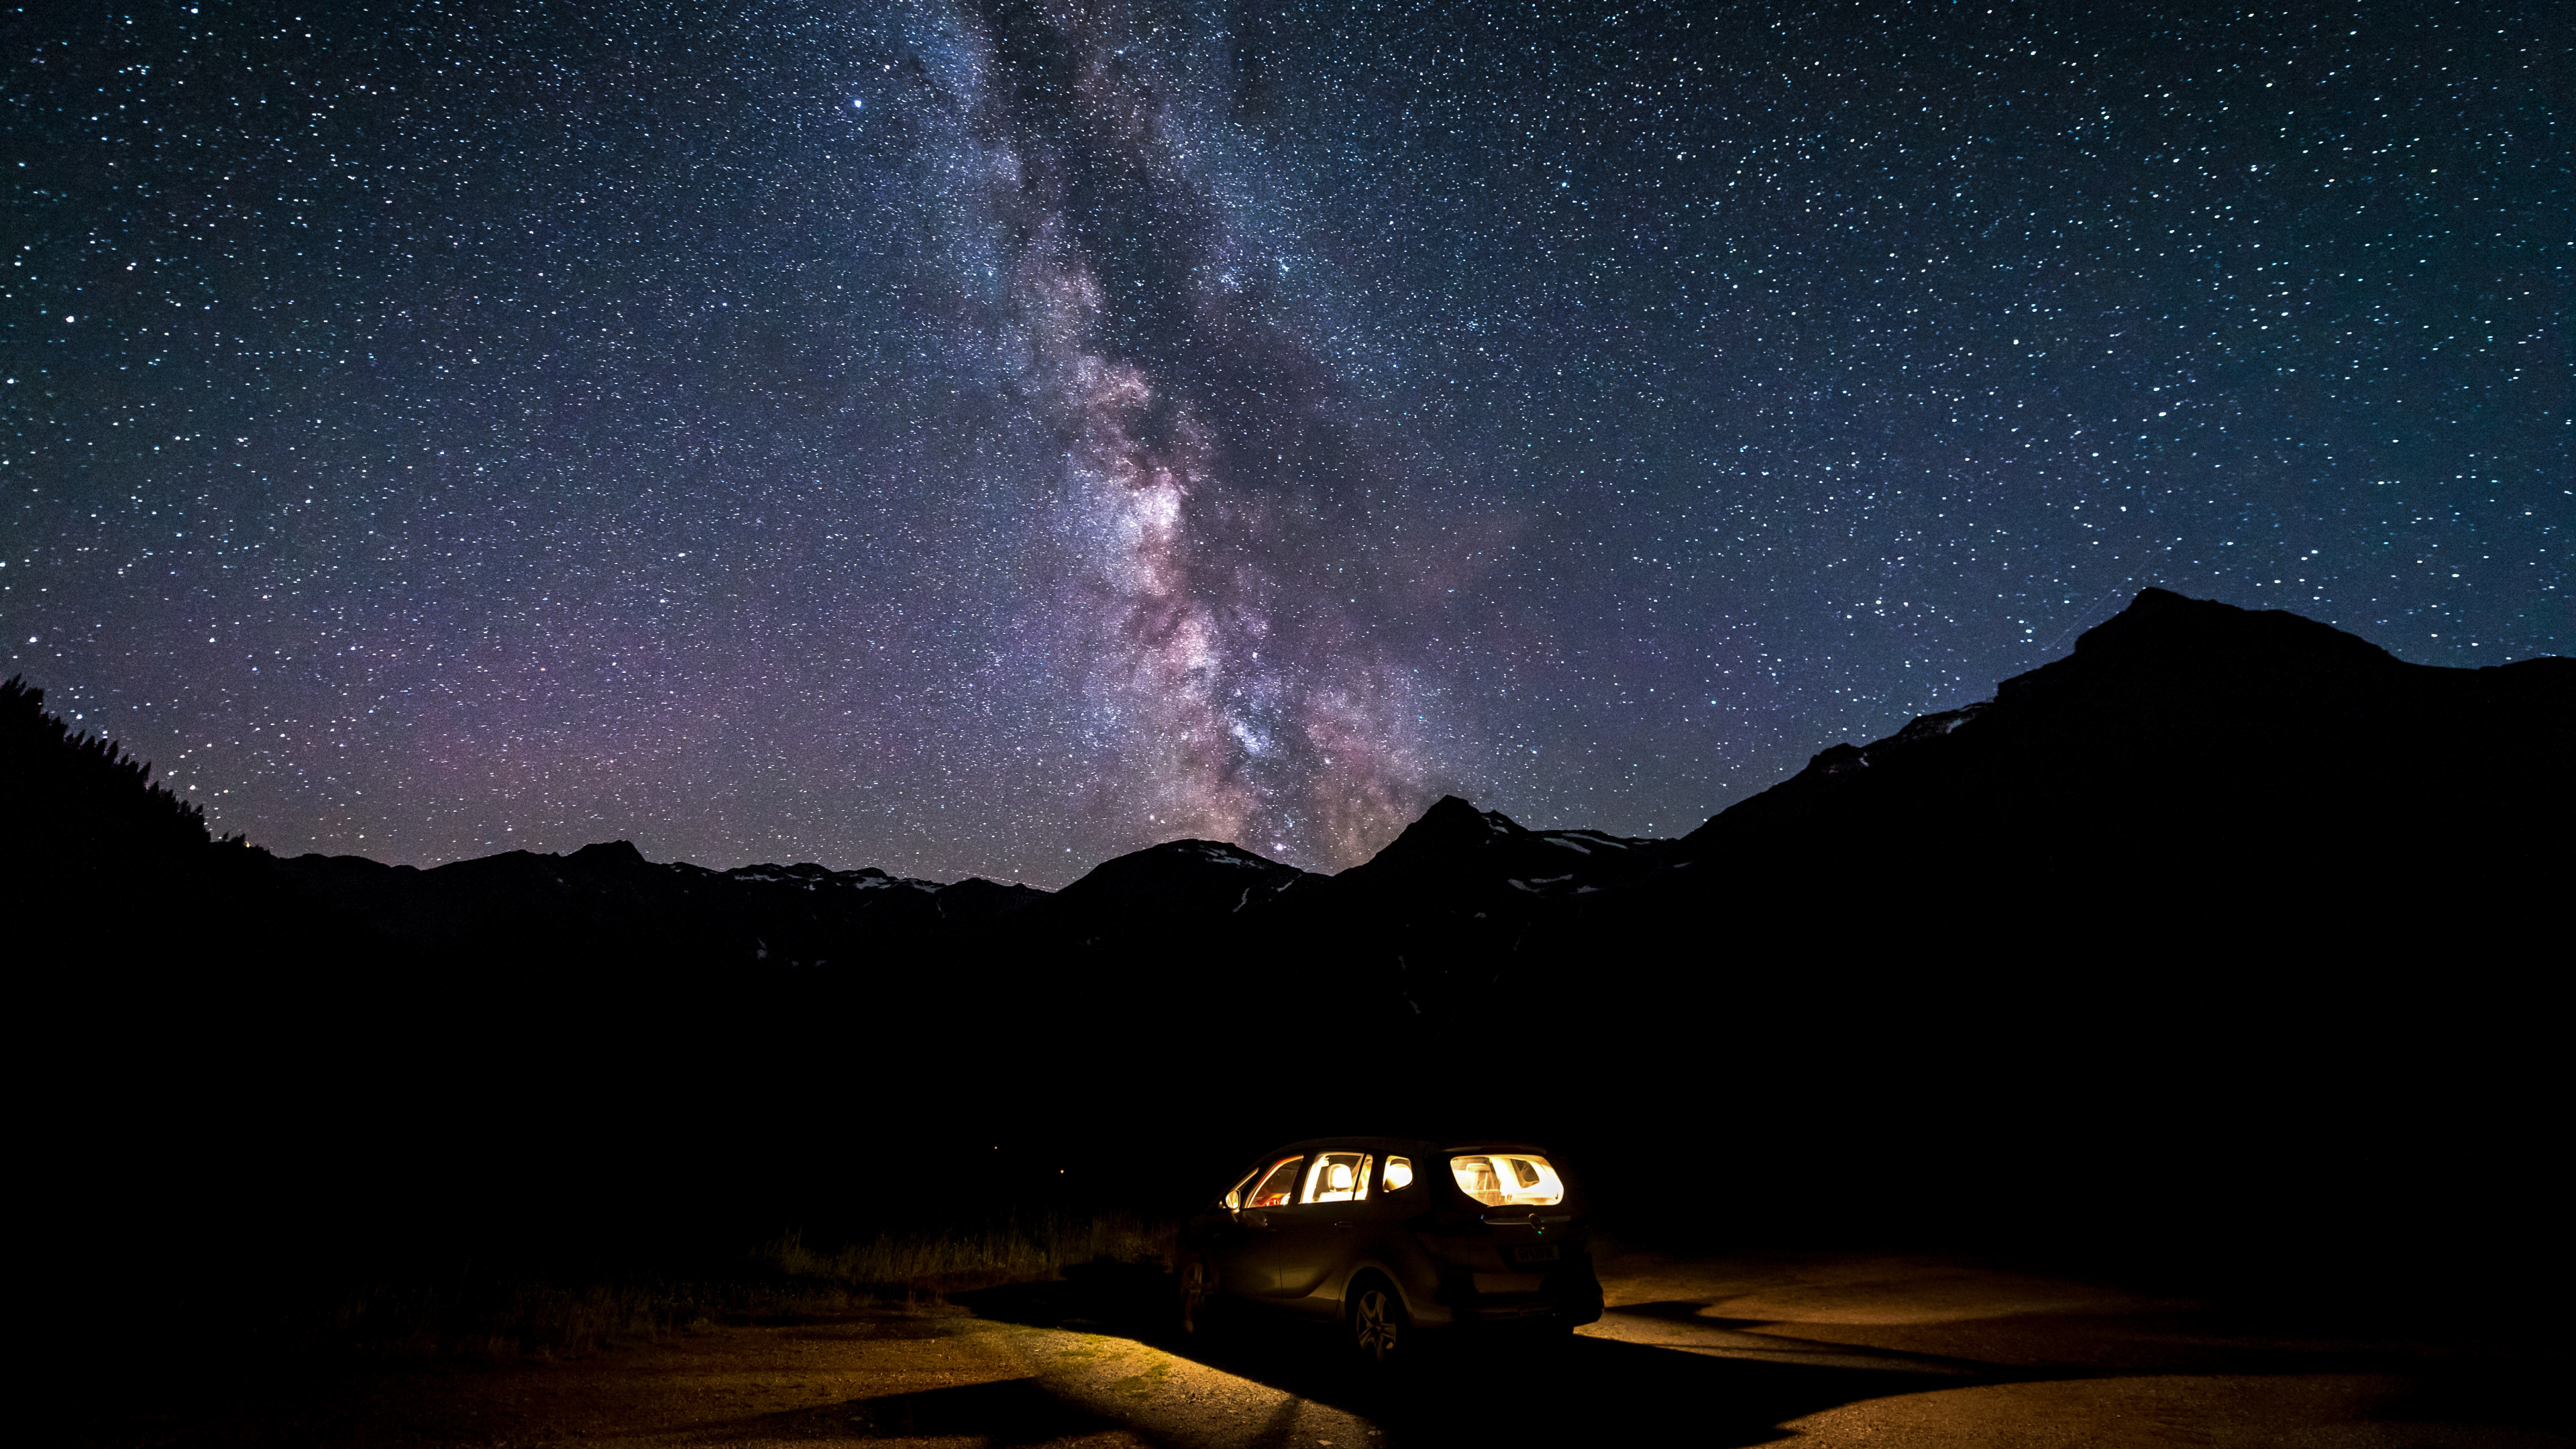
(2246, 715)
(2189, 692)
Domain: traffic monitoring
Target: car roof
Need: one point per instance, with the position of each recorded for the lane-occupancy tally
(1423, 1145)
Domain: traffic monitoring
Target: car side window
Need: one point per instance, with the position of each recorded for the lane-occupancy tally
(1399, 1173)
(1337, 1177)
(1234, 1195)
(1277, 1187)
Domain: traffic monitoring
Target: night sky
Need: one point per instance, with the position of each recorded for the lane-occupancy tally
(986, 439)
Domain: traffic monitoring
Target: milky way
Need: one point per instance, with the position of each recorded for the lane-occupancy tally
(989, 438)
(1207, 499)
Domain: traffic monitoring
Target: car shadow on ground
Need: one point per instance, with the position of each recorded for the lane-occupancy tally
(1468, 1387)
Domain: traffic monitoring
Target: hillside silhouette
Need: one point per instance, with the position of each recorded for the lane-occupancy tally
(2205, 749)
(77, 798)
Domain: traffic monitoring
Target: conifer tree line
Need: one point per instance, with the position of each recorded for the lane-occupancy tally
(70, 798)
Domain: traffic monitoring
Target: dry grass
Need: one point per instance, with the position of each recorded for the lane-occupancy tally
(477, 1315)
(1012, 1250)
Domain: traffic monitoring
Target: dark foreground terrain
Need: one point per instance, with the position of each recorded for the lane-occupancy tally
(1820, 1349)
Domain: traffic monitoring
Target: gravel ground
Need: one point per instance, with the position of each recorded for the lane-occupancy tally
(1818, 1350)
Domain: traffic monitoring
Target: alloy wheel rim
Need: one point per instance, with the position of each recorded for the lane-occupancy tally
(1376, 1326)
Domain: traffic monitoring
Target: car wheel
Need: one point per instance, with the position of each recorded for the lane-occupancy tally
(1197, 1285)
(1379, 1328)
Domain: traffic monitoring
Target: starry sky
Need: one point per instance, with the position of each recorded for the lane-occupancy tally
(986, 438)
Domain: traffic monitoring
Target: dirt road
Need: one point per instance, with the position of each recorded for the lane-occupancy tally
(1822, 1351)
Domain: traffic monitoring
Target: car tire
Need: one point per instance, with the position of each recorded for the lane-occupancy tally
(1381, 1331)
(1196, 1292)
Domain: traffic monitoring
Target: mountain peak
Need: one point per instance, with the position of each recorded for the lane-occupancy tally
(1175, 860)
(1450, 831)
(1452, 824)
(2179, 724)
(609, 853)
(2162, 625)
(1174, 882)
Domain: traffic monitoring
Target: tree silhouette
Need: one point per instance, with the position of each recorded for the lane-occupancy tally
(72, 801)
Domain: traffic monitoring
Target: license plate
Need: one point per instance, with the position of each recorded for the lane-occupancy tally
(1537, 1253)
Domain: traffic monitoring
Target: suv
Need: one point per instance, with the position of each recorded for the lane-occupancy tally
(1389, 1235)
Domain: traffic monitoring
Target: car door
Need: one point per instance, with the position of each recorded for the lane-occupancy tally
(1250, 1247)
(1312, 1241)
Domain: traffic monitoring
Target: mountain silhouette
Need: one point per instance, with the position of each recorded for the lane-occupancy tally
(2189, 766)
(2189, 763)
(2225, 907)
(606, 907)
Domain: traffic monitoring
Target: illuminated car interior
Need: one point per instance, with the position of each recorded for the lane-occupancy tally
(1278, 1186)
(1496, 1179)
(1337, 1177)
(1508, 1179)
(1366, 1233)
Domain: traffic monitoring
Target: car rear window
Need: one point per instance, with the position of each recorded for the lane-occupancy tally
(1508, 1179)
